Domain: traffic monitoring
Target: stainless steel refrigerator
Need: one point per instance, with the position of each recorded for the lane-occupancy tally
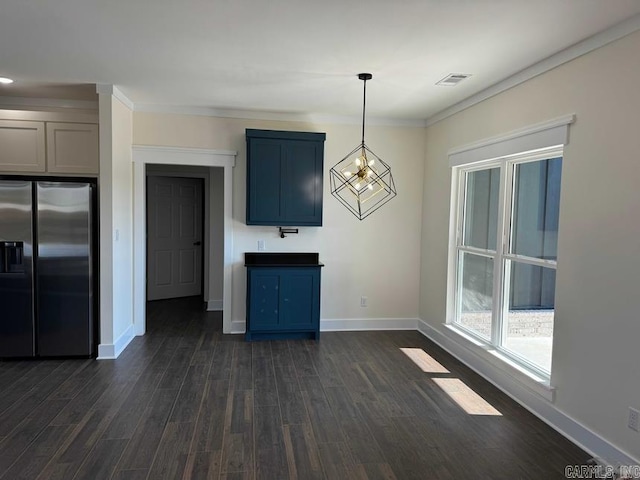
(47, 302)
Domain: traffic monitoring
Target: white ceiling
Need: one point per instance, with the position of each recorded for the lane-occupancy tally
(292, 56)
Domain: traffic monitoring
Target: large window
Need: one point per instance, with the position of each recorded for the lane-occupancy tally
(506, 254)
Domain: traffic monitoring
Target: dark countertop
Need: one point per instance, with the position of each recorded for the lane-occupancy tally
(263, 259)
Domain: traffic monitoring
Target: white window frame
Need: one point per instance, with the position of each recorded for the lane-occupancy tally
(534, 143)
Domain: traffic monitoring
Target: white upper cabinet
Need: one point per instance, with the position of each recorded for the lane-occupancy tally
(33, 142)
(72, 148)
(22, 146)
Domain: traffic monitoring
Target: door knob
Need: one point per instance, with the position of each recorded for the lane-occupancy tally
(197, 243)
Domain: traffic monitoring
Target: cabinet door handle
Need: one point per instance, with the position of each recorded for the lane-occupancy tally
(286, 299)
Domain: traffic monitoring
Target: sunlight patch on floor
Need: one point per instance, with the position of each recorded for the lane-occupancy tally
(469, 401)
(423, 360)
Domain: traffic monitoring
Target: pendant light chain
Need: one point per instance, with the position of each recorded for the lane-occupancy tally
(364, 106)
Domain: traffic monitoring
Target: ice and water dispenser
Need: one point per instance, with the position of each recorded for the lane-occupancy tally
(11, 257)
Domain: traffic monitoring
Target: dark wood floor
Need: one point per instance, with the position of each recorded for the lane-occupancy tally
(184, 401)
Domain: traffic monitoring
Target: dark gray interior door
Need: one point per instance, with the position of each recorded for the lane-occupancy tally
(174, 237)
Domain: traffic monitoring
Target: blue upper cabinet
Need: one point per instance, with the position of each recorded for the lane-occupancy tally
(284, 178)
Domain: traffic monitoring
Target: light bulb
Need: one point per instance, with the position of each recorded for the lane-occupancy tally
(5, 80)
(357, 185)
(347, 174)
(372, 162)
(357, 162)
(370, 186)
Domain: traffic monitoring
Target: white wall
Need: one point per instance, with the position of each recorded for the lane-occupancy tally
(377, 258)
(597, 326)
(116, 227)
(122, 220)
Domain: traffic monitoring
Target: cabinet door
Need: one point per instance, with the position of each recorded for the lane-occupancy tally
(22, 146)
(72, 148)
(300, 298)
(264, 178)
(284, 178)
(302, 183)
(264, 299)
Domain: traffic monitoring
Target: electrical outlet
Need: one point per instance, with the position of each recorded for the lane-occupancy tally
(634, 419)
(364, 301)
(261, 246)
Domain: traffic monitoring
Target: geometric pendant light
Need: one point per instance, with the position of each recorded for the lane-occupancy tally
(361, 181)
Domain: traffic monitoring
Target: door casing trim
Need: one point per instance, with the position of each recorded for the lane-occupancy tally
(143, 155)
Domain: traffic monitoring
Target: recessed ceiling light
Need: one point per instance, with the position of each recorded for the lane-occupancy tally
(5, 80)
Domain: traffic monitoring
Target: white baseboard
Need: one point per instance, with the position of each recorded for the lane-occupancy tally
(110, 351)
(362, 324)
(214, 306)
(106, 351)
(582, 436)
(350, 324)
(238, 326)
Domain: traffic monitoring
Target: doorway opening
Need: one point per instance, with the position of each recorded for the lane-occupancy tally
(214, 168)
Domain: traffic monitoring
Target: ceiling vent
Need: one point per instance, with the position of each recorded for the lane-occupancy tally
(453, 79)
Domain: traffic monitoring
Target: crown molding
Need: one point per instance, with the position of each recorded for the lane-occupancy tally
(32, 102)
(594, 42)
(108, 89)
(276, 116)
(123, 98)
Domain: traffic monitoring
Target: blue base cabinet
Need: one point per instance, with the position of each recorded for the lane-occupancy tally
(283, 302)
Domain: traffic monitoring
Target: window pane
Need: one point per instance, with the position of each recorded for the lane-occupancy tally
(528, 321)
(475, 293)
(536, 204)
(481, 209)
